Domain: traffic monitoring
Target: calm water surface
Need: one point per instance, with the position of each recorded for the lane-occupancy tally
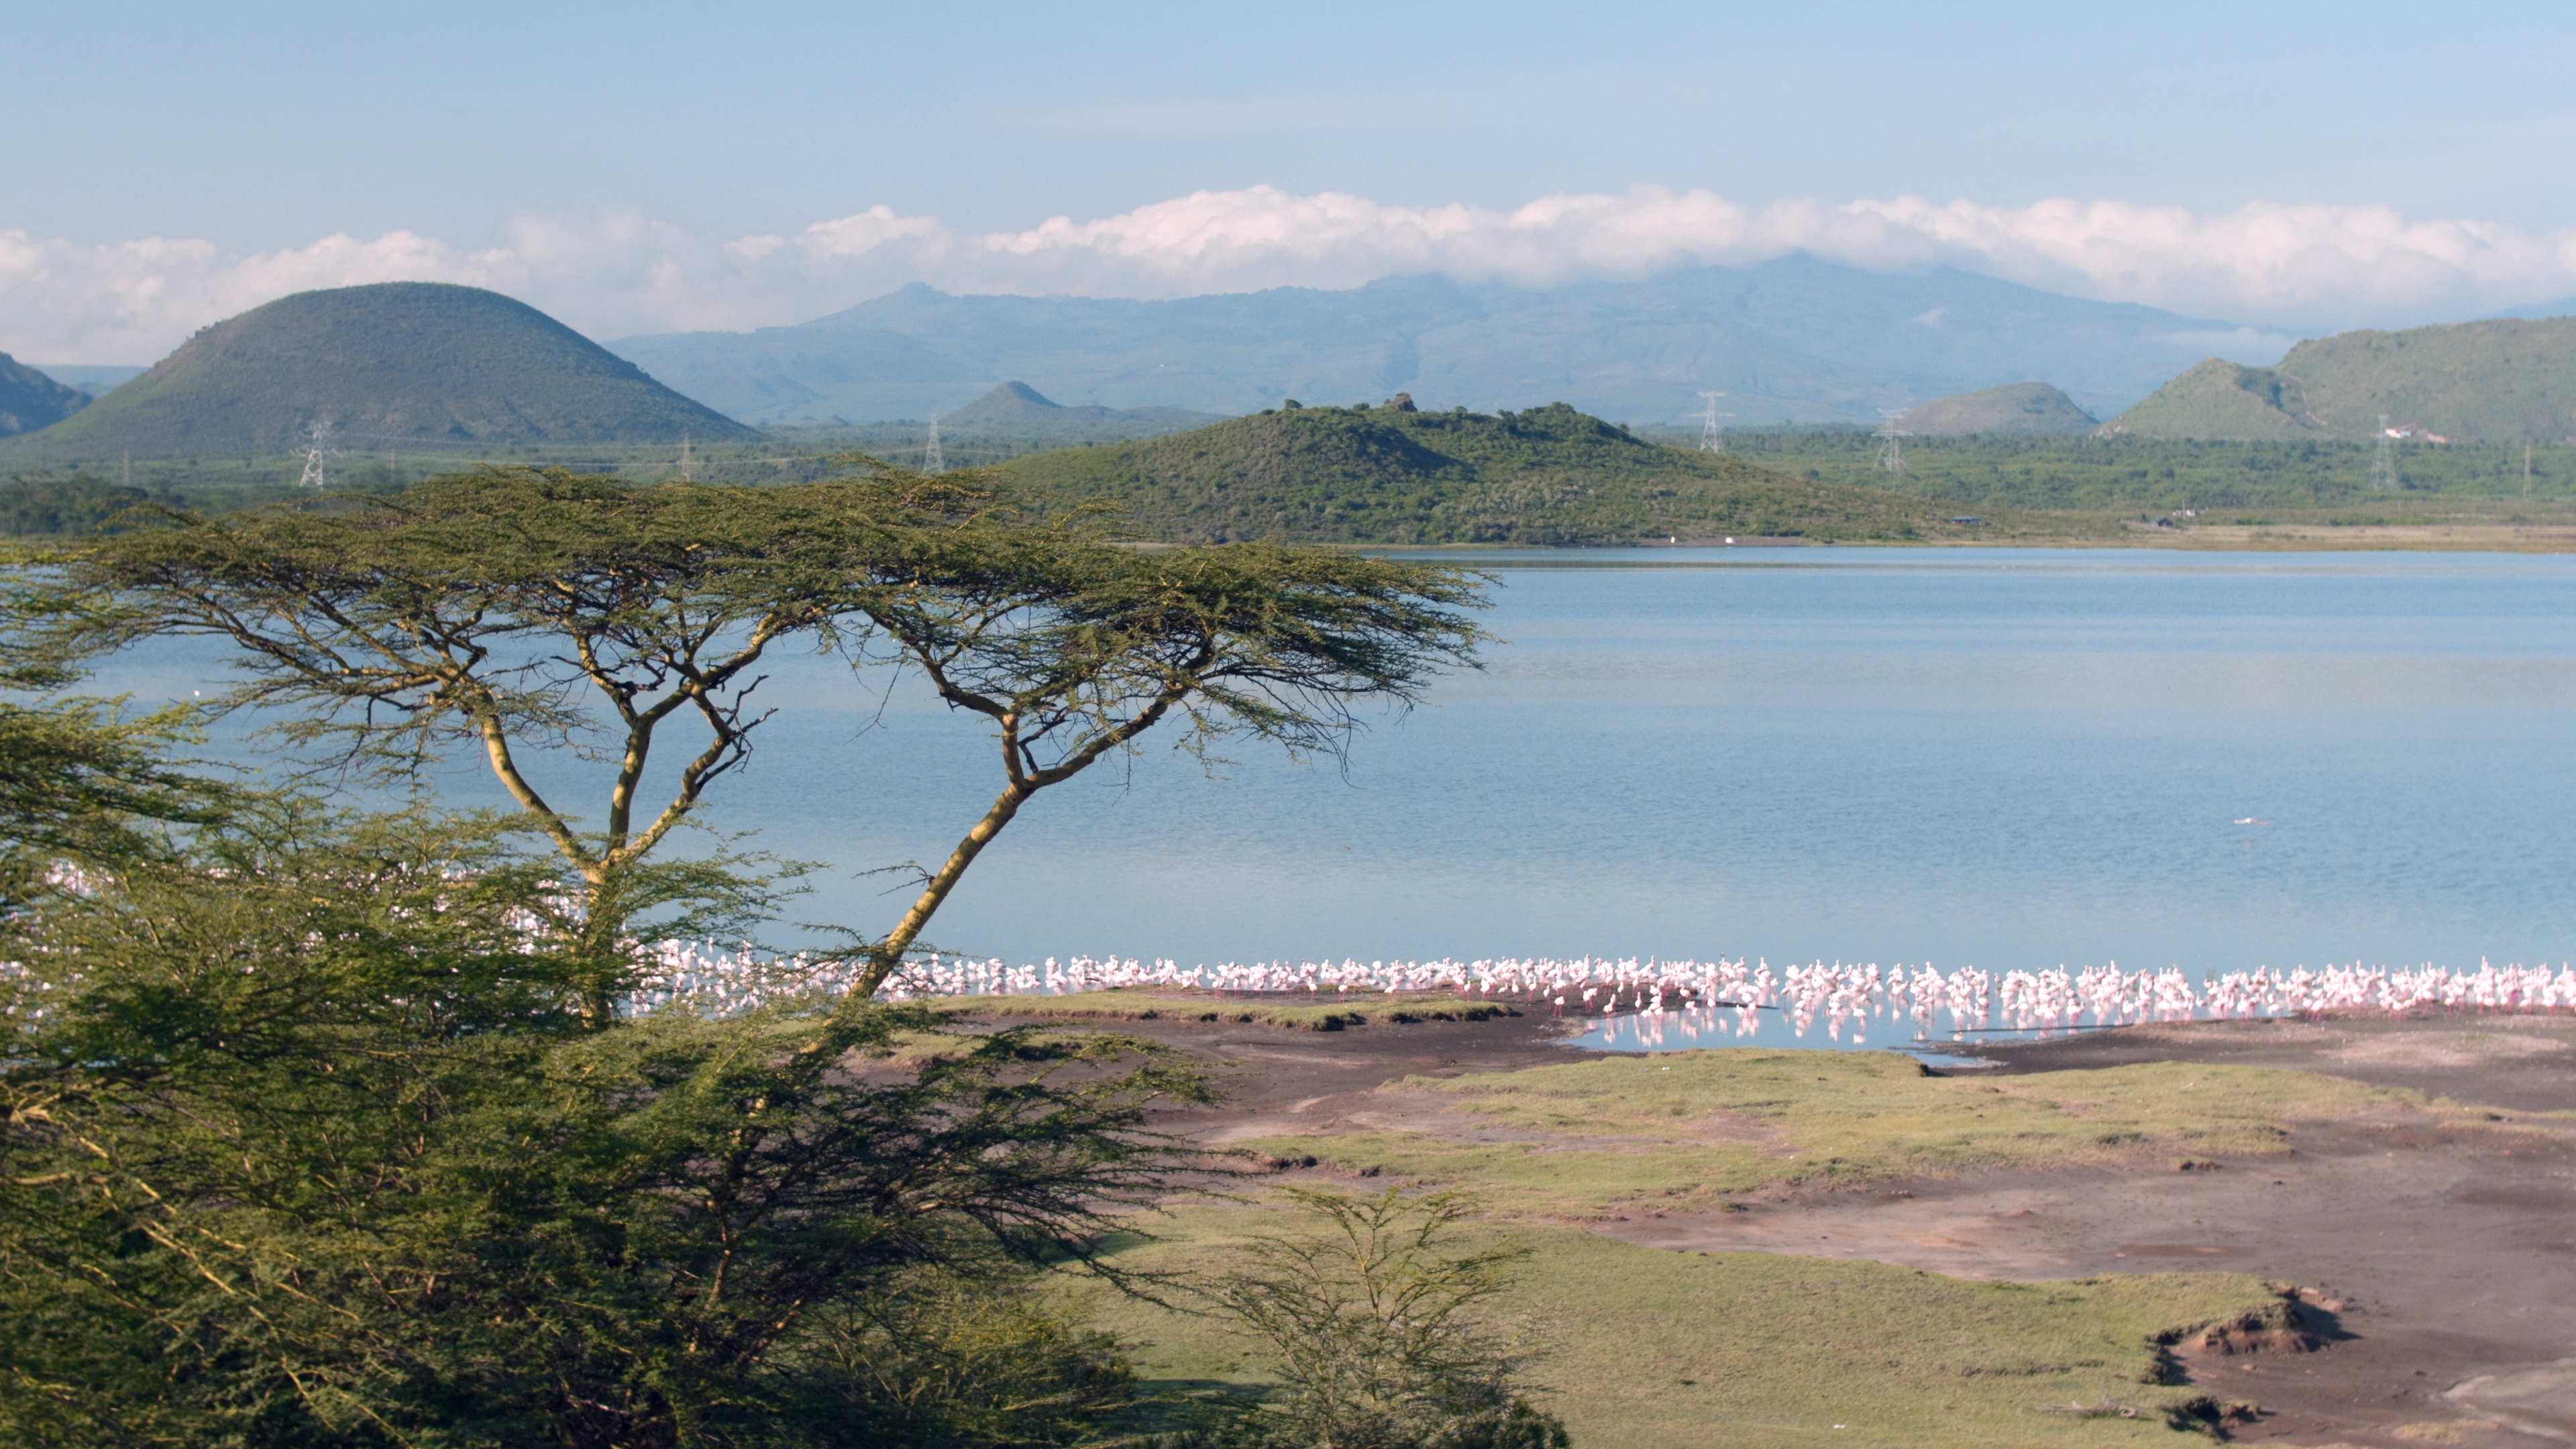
(1998, 758)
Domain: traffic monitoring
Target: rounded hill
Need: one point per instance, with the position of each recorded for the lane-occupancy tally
(2014, 408)
(2508, 380)
(30, 400)
(1391, 474)
(392, 363)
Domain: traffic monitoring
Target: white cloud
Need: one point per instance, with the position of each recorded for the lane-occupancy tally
(2297, 267)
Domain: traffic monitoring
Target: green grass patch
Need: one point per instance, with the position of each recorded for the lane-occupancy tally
(1659, 1350)
(1689, 1128)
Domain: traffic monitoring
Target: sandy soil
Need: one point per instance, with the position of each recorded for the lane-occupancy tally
(2437, 1267)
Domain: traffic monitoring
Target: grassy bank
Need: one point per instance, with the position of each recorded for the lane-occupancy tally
(1650, 1349)
(1689, 1130)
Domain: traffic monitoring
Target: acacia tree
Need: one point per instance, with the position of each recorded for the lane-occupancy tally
(515, 612)
(304, 1140)
(519, 610)
(303, 1121)
(1086, 646)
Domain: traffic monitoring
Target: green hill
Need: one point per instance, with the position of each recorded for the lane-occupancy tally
(2016, 407)
(1017, 410)
(2507, 381)
(1389, 474)
(30, 400)
(396, 363)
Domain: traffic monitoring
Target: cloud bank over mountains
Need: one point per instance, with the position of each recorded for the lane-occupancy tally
(2311, 267)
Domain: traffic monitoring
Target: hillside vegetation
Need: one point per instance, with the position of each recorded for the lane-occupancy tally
(2506, 381)
(30, 400)
(2129, 473)
(400, 362)
(1388, 474)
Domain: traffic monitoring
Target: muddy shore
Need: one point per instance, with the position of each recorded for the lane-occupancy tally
(2438, 1265)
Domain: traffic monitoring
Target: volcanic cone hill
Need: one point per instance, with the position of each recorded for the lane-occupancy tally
(394, 363)
(1015, 409)
(2505, 381)
(2016, 407)
(1389, 474)
(30, 400)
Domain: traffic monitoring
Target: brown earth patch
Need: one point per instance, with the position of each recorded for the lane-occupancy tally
(2439, 1261)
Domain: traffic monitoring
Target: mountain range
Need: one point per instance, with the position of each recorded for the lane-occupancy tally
(1792, 340)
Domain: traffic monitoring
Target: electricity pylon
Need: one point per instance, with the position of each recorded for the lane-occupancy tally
(931, 459)
(688, 461)
(1891, 453)
(2383, 468)
(1712, 433)
(318, 453)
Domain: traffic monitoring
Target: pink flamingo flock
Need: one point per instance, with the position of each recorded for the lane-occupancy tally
(1841, 995)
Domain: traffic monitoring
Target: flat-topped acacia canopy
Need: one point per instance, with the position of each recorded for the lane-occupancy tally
(523, 609)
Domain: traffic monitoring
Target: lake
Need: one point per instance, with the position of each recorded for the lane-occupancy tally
(1989, 757)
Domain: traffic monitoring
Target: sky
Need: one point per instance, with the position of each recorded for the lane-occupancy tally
(651, 167)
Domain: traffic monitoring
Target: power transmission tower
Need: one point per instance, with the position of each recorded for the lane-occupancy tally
(1712, 433)
(2383, 468)
(931, 460)
(688, 461)
(1891, 453)
(318, 453)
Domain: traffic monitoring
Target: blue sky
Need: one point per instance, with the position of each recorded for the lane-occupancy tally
(258, 130)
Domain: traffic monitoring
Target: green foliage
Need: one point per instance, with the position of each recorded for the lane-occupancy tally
(951, 1361)
(413, 362)
(1391, 475)
(311, 1138)
(46, 506)
(2128, 473)
(2506, 381)
(80, 784)
(1372, 1322)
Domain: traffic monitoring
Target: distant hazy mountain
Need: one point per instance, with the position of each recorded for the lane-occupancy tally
(93, 380)
(2016, 407)
(2504, 381)
(394, 363)
(1795, 340)
(30, 400)
(1017, 410)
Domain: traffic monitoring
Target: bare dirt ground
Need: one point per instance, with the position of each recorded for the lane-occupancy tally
(2438, 1266)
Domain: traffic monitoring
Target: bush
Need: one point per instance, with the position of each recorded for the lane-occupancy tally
(1373, 1321)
